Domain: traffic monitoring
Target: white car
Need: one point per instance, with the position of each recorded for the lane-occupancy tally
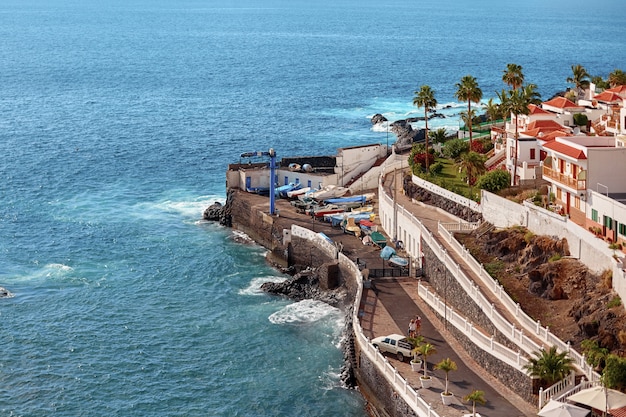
(396, 344)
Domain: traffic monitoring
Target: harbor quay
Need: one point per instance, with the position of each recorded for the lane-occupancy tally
(382, 305)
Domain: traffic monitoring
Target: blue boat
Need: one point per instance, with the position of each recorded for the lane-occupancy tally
(284, 189)
(346, 200)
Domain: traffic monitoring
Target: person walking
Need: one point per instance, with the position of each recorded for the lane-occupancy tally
(412, 328)
(418, 325)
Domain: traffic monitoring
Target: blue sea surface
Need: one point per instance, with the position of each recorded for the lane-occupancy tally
(117, 122)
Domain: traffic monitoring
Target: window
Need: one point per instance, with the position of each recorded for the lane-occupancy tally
(532, 154)
(607, 222)
(577, 202)
(622, 229)
(594, 215)
(558, 194)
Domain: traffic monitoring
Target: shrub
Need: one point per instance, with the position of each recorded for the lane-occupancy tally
(420, 159)
(487, 144)
(528, 237)
(477, 146)
(580, 119)
(494, 181)
(615, 302)
(454, 148)
(555, 257)
(436, 168)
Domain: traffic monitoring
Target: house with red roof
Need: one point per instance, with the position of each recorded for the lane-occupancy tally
(577, 166)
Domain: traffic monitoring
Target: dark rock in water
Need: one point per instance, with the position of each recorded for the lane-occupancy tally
(305, 286)
(378, 118)
(217, 212)
(4, 293)
(213, 212)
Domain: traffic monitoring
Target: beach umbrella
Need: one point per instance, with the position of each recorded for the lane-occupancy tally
(558, 409)
(600, 398)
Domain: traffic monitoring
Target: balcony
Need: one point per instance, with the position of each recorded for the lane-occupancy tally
(573, 183)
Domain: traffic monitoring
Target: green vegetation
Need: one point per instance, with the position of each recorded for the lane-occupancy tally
(614, 374)
(468, 90)
(454, 148)
(580, 119)
(495, 268)
(594, 354)
(447, 365)
(528, 237)
(615, 302)
(425, 98)
(555, 257)
(476, 396)
(549, 366)
(494, 181)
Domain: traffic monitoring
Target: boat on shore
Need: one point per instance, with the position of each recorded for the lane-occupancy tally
(300, 191)
(329, 191)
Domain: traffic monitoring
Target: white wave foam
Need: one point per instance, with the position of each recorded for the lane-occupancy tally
(305, 311)
(330, 379)
(241, 237)
(254, 288)
(60, 267)
(190, 209)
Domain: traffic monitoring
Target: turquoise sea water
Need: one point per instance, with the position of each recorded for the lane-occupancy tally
(117, 122)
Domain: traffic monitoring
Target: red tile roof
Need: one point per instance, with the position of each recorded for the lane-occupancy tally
(553, 135)
(545, 125)
(537, 110)
(560, 102)
(620, 89)
(565, 150)
(608, 96)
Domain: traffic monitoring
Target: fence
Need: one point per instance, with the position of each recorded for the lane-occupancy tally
(508, 329)
(483, 341)
(410, 396)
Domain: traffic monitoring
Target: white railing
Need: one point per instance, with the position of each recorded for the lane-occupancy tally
(460, 226)
(447, 194)
(401, 386)
(483, 341)
(512, 307)
(557, 389)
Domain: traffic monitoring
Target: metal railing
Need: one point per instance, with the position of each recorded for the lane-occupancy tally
(564, 179)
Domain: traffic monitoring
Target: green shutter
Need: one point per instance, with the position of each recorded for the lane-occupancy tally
(594, 215)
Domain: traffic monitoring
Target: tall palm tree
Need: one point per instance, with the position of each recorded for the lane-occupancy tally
(439, 136)
(515, 103)
(549, 365)
(513, 76)
(476, 396)
(425, 98)
(467, 116)
(468, 90)
(580, 79)
(617, 77)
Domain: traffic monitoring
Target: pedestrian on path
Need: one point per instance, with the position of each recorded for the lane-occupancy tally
(418, 325)
(412, 328)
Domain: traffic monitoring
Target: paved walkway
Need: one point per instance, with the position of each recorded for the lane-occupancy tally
(390, 305)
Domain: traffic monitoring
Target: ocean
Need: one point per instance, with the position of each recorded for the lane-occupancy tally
(117, 122)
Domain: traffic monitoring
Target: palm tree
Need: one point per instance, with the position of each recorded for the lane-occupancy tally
(493, 110)
(549, 366)
(513, 76)
(468, 90)
(617, 77)
(472, 164)
(426, 350)
(439, 136)
(515, 102)
(531, 94)
(446, 365)
(476, 396)
(580, 79)
(416, 342)
(425, 98)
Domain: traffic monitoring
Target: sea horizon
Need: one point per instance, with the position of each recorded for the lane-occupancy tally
(117, 124)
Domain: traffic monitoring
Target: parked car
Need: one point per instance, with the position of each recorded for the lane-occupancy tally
(395, 344)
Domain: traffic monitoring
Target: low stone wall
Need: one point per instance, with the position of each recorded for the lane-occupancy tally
(377, 390)
(418, 193)
(443, 282)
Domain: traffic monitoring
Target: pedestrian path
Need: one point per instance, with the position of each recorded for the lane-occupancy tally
(391, 305)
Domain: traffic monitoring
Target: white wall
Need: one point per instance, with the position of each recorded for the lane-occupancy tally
(607, 166)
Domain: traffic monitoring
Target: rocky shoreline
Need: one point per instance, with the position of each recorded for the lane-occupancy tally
(304, 285)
